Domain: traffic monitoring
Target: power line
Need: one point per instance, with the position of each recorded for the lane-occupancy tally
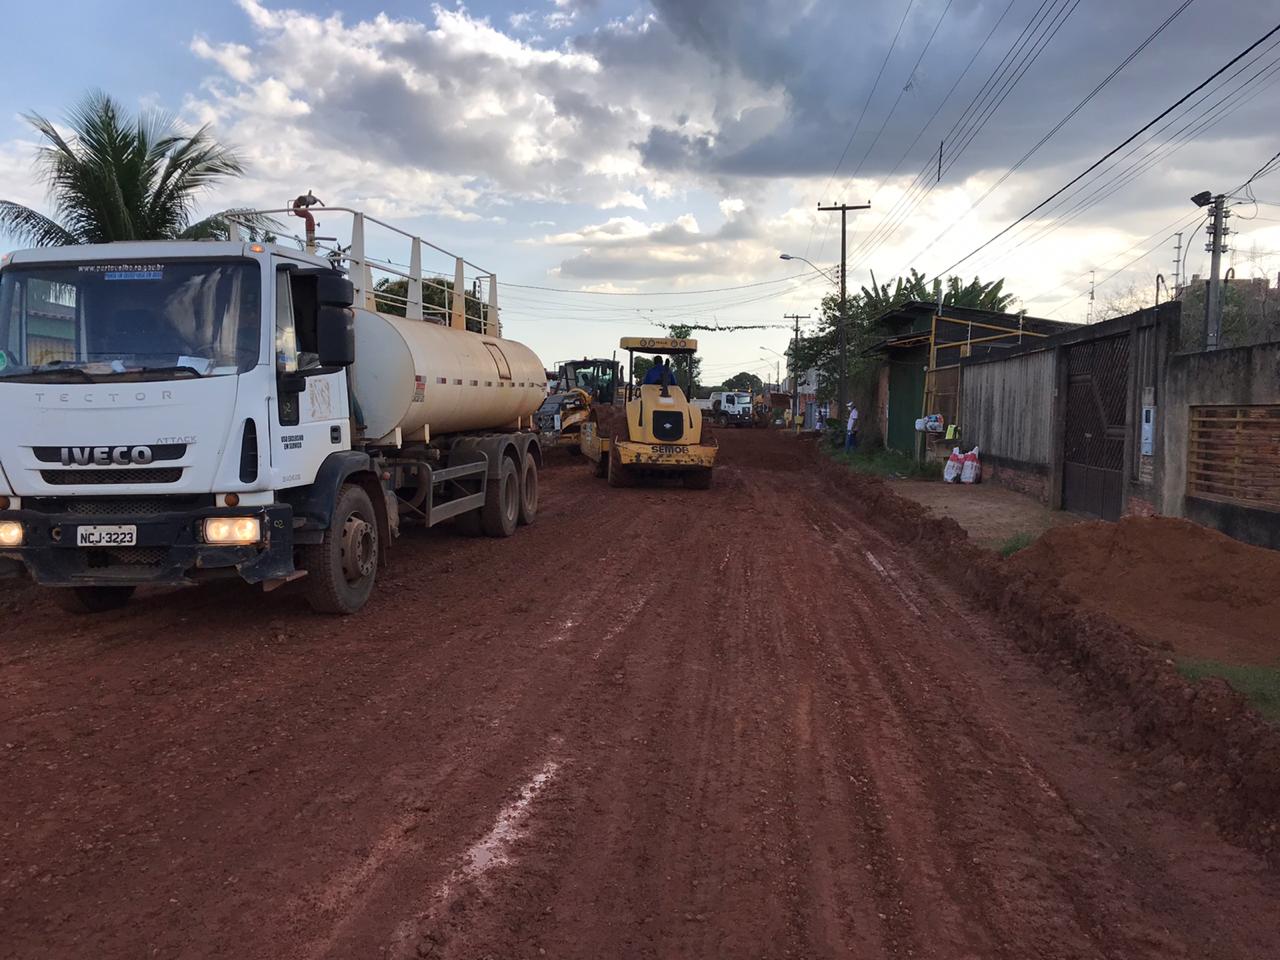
(1034, 37)
(914, 67)
(660, 293)
(1053, 131)
(858, 125)
(1114, 150)
(1207, 118)
(871, 93)
(943, 102)
(1268, 168)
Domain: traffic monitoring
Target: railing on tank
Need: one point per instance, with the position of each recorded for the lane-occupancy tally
(379, 296)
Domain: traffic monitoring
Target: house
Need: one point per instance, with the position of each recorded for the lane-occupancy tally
(1118, 418)
(921, 349)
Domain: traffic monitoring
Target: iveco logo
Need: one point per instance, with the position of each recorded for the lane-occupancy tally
(105, 456)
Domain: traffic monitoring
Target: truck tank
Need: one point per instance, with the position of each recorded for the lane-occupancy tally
(415, 374)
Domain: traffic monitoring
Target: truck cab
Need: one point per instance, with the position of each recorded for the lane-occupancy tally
(731, 408)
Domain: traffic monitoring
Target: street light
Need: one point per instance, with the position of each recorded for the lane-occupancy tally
(789, 256)
(777, 369)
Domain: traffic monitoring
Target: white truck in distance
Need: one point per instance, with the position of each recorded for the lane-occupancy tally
(177, 411)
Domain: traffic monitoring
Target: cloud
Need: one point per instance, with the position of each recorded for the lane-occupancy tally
(234, 58)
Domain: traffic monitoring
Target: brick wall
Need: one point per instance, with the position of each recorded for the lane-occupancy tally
(1025, 479)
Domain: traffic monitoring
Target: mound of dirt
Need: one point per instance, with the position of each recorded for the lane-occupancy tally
(1043, 594)
(1175, 583)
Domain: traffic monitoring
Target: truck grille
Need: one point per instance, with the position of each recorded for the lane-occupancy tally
(88, 477)
(137, 556)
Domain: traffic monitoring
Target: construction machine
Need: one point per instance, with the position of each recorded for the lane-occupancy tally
(659, 431)
(577, 385)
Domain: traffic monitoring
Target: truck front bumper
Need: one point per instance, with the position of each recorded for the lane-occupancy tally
(169, 547)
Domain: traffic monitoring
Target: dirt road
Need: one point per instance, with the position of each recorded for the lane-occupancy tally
(657, 724)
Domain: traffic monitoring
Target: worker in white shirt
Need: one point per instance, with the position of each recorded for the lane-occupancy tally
(851, 430)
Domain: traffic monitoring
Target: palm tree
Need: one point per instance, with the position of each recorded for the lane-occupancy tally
(118, 177)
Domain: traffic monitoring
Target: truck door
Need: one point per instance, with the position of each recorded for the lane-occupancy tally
(314, 421)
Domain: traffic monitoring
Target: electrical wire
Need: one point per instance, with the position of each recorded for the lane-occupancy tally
(1208, 117)
(659, 293)
(914, 67)
(992, 93)
(858, 125)
(1116, 149)
(1057, 127)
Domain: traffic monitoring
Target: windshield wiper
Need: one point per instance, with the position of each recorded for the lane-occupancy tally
(146, 373)
(50, 374)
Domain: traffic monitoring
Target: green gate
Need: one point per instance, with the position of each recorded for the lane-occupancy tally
(906, 394)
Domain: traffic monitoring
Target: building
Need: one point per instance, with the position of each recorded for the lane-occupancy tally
(1116, 419)
(922, 348)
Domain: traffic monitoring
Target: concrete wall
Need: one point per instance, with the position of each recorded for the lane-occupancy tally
(1244, 375)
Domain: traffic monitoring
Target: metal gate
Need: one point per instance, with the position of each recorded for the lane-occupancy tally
(1095, 436)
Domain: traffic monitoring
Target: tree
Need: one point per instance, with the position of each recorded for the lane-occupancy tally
(118, 177)
(1122, 301)
(745, 382)
(390, 296)
(688, 366)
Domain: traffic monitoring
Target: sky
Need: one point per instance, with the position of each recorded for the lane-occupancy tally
(624, 165)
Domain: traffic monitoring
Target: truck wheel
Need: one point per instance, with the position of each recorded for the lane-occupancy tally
(342, 567)
(602, 465)
(529, 490)
(722, 421)
(699, 479)
(82, 600)
(501, 510)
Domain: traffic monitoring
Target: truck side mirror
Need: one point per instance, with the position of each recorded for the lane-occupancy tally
(334, 290)
(335, 335)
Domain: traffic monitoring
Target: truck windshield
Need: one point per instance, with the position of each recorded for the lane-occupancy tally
(86, 322)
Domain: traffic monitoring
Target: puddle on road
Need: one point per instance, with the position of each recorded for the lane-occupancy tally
(493, 848)
(490, 852)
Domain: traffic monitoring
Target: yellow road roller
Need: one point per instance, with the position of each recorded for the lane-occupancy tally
(659, 432)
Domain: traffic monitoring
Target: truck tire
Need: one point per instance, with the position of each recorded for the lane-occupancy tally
(342, 567)
(699, 479)
(529, 490)
(82, 600)
(501, 510)
(601, 466)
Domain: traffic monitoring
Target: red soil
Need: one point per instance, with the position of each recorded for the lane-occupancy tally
(658, 724)
(1175, 583)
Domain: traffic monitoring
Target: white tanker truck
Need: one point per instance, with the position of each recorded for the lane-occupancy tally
(176, 411)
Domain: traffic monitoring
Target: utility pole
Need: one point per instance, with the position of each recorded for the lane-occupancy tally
(1177, 267)
(795, 364)
(1217, 247)
(844, 209)
(1092, 274)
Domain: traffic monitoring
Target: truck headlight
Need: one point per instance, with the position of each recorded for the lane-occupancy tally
(238, 530)
(11, 534)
